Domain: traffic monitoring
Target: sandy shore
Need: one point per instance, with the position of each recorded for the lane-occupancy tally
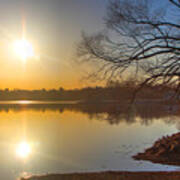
(111, 176)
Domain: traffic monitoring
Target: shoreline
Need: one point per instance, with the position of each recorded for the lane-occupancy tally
(165, 150)
(110, 175)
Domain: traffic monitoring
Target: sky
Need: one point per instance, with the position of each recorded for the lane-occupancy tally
(53, 28)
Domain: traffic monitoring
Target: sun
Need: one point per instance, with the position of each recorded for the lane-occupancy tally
(23, 150)
(23, 49)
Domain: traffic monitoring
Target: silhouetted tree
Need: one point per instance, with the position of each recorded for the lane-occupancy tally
(140, 38)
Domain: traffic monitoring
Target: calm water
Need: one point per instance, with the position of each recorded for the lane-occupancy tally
(63, 139)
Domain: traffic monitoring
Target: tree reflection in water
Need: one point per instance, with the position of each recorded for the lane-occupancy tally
(113, 113)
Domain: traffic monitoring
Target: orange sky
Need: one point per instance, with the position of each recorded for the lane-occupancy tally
(54, 29)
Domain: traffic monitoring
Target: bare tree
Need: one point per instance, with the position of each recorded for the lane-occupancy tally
(139, 37)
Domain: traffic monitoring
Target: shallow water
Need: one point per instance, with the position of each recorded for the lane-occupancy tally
(77, 141)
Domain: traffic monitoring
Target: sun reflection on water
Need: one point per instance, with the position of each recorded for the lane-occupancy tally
(24, 102)
(23, 149)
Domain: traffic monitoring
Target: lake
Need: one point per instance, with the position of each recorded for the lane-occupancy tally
(65, 137)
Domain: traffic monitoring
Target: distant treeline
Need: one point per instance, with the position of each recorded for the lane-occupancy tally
(113, 91)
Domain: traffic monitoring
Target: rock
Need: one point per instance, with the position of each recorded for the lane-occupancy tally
(165, 150)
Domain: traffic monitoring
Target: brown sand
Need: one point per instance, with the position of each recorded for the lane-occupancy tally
(111, 176)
